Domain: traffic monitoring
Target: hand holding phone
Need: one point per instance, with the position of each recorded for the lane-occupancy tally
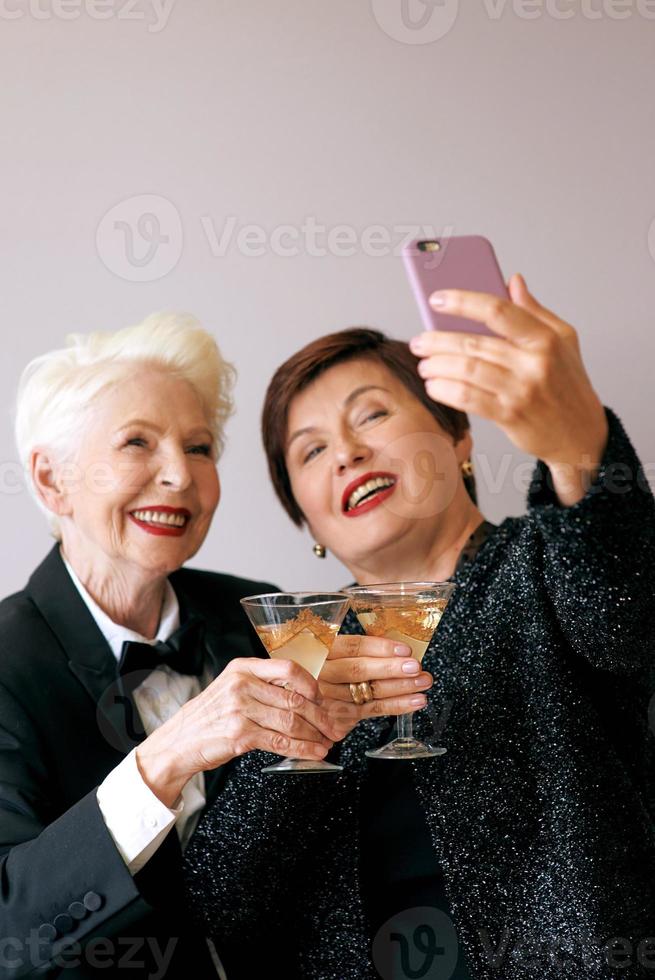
(456, 262)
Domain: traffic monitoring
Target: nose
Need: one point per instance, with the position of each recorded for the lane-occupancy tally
(174, 472)
(349, 451)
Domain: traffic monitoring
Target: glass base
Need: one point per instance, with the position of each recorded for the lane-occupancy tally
(406, 748)
(302, 765)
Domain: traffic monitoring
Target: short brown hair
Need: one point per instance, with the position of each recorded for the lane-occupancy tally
(307, 364)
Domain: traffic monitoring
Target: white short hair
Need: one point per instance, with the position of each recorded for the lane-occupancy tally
(56, 389)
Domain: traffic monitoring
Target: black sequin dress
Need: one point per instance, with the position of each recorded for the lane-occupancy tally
(540, 815)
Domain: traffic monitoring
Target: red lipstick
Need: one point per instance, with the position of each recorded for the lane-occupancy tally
(376, 499)
(162, 529)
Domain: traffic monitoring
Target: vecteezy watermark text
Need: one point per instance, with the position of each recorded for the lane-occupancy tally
(140, 239)
(585, 950)
(154, 13)
(313, 238)
(102, 478)
(101, 953)
(566, 9)
(427, 21)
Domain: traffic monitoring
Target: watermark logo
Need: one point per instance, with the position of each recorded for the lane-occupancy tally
(140, 239)
(568, 9)
(415, 21)
(583, 952)
(418, 944)
(424, 474)
(146, 954)
(427, 21)
(316, 239)
(153, 13)
(117, 716)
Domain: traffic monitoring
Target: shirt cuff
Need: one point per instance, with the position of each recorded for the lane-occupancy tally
(136, 819)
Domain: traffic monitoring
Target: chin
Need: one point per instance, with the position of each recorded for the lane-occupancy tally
(162, 561)
(379, 540)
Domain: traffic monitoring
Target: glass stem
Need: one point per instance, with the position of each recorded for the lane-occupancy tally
(405, 726)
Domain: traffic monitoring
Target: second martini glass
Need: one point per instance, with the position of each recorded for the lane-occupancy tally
(408, 612)
(298, 626)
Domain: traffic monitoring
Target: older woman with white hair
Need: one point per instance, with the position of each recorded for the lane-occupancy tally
(127, 682)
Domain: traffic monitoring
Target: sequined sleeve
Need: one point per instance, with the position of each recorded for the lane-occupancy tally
(598, 558)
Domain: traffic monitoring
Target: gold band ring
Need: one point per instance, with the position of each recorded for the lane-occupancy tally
(362, 692)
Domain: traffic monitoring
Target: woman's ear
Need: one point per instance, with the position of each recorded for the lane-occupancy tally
(47, 482)
(464, 447)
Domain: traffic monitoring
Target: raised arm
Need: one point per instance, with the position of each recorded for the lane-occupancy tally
(590, 505)
(598, 557)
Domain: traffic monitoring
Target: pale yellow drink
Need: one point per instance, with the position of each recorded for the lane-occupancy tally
(413, 626)
(306, 640)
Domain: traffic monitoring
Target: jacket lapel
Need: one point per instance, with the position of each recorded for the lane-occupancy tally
(92, 661)
(90, 658)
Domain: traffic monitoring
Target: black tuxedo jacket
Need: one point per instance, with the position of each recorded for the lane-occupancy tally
(68, 905)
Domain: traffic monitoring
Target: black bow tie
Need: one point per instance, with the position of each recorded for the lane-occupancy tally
(183, 652)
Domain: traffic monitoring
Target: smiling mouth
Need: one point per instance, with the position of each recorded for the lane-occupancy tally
(372, 488)
(162, 520)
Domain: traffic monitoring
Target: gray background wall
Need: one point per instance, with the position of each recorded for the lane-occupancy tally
(529, 122)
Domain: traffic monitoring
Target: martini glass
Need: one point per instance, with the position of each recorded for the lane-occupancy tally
(408, 612)
(298, 626)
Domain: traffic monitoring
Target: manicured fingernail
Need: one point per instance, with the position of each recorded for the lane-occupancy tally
(422, 682)
(417, 346)
(437, 299)
(419, 701)
(411, 667)
(402, 650)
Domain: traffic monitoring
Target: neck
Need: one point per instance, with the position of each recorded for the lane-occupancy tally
(121, 590)
(430, 556)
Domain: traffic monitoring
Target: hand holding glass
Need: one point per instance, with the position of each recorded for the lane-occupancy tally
(298, 626)
(408, 612)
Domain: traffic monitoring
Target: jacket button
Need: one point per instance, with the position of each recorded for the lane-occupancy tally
(77, 910)
(47, 932)
(92, 901)
(63, 923)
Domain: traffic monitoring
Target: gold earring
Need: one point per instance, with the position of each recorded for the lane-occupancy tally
(319, 550)
(467, 468)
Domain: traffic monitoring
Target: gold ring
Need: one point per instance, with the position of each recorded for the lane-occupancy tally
(362, 692)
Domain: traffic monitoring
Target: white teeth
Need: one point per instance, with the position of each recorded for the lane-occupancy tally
(365, 488)
(159, 517)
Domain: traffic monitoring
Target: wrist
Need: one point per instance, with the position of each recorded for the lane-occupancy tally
(569, 482)
(160, 769)
(574, 471)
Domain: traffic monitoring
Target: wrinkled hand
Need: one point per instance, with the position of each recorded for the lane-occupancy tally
(396, 680)
(530, 379)
(253, 704)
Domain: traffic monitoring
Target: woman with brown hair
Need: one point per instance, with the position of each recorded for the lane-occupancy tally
(527, 851)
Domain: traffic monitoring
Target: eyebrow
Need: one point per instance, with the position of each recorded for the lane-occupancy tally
(355, 393)
(151, 425)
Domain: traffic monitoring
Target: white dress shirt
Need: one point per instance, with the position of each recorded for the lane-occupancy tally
(136, 819)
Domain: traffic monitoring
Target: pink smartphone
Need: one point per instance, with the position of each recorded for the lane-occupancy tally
(458, 262)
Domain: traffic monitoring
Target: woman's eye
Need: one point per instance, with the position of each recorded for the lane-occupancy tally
(202, 450)
(137, 441)
(375, 415)
(312, 453)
